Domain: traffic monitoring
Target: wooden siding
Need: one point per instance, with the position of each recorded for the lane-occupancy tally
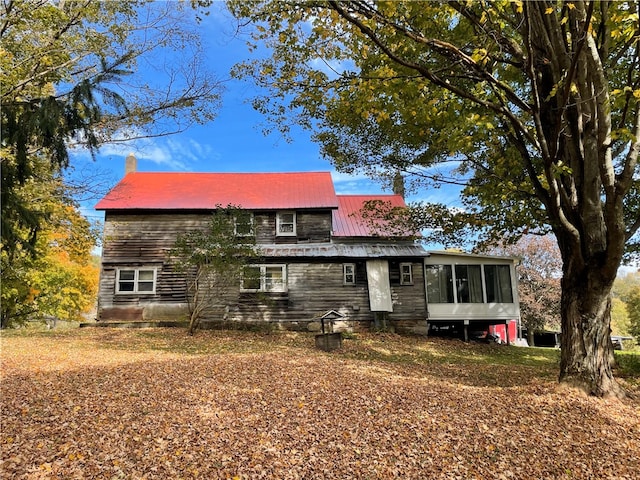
(143, 238)
(138, 240)
(315, 288)
(409, 302)
(312, 227)
(135, 240)
(314, 285)
(139, 237)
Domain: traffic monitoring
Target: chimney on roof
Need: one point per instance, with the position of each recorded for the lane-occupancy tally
(398, 184)
(130, 164)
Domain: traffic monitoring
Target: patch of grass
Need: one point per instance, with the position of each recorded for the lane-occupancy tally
(402, 349)
(37, 328)
(628, 364)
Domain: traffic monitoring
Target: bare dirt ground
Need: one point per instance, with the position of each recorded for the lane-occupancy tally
(157, 404)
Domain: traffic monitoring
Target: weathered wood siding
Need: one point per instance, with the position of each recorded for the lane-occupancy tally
(142, 240)
(312, 290)
(314, 285)
(315, 288)
(313, 226)
(145, 237)
(409, 301)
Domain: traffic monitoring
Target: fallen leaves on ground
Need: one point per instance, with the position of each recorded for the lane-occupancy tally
(158, 404)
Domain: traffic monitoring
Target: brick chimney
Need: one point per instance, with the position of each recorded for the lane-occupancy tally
(130, 164)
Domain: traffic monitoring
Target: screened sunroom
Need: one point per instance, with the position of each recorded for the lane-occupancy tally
(472, 290)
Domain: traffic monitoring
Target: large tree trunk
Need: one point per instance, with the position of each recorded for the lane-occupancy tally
(586, 350)
(583, 195)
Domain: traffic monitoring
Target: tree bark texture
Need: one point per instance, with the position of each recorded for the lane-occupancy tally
(586, 349)
(584, 199)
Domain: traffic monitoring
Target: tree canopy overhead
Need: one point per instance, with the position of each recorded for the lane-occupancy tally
(531, 106)
(70, 75)
(50, 49)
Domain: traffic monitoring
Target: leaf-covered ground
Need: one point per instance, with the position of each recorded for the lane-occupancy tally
(134, 404)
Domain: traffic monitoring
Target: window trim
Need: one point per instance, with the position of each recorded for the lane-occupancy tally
(136, 281)
(410, 281)
(279, 223)
(251, 226)
(345, 273)
(456, 281)
(469, 283)
(263, 270)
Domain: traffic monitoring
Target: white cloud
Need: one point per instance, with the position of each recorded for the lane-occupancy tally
(167, 153)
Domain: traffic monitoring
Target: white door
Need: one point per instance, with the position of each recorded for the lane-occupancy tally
(379, 287)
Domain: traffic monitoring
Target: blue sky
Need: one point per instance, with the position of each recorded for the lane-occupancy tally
(234, 141)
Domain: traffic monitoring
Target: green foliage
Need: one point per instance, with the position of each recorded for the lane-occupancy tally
(62, 69)
(625, 284)
(633, 310)
(623, 289)
(212, 261)
(56, 277)
(619, 318)
(628, 365)
(443, 92)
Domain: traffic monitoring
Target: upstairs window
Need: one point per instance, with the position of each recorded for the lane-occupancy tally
(286, 224)
(406, 274)
(136, 280)
(244, 224)
(349, 273)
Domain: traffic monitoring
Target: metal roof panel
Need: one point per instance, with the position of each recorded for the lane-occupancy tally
(204, 191)
(328, 250)
(348, 221)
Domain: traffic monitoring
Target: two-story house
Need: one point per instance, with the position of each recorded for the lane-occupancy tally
(316, 254)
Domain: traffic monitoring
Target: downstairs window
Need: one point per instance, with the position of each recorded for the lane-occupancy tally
(136, 280)
(264, 278)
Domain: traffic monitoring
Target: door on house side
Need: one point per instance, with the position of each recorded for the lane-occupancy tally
(379, 287)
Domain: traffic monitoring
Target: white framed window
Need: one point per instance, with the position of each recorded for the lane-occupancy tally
(264, 278)
(473, 283)
(286, 224)
(243, 224)
(406, 274)
(136, 281)
(349, 273)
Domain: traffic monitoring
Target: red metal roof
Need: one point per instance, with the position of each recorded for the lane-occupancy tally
(203, 191)
(347, 220)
